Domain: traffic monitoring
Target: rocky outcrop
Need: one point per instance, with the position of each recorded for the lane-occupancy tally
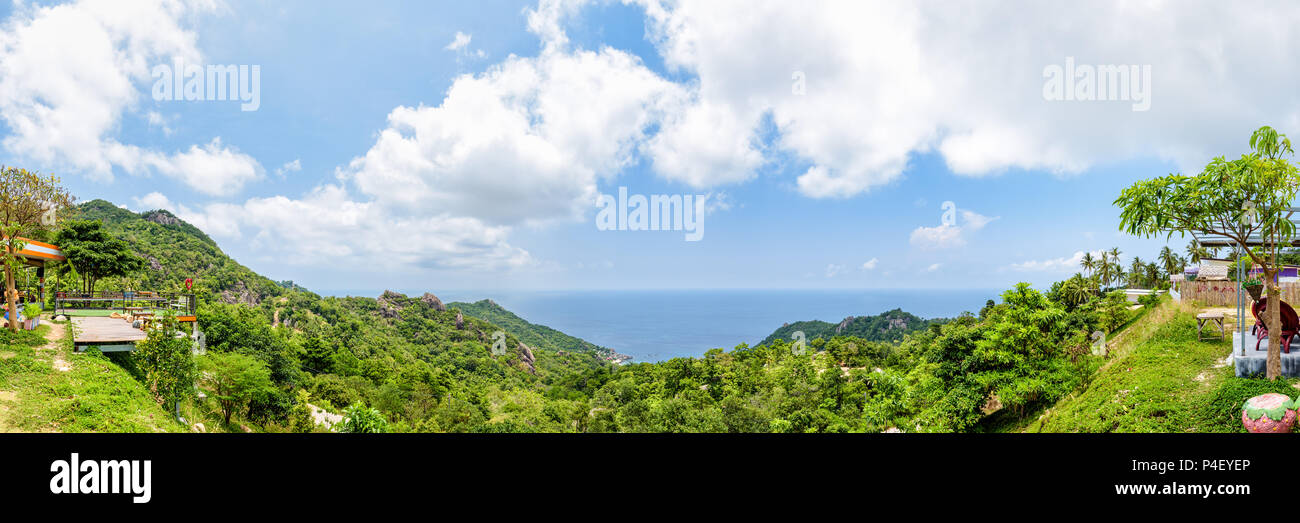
(390, 303)
(460, 321)
(162, 217)
(240, 293)
(153, 263)
(844, 324)
(527, 355)
(433, 302)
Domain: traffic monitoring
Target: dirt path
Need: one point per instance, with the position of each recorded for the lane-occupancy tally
(54, 347)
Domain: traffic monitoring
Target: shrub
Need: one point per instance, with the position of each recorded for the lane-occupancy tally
(1220, 411)
(362, 420)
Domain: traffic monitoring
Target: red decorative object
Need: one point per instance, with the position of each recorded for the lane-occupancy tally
(189, 284)
(1270, 413)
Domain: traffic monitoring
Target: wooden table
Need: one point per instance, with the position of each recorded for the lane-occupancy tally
(1205, 318)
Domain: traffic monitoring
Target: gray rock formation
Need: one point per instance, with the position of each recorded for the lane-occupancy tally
(528, 357)
(843, 324)
(433, 302)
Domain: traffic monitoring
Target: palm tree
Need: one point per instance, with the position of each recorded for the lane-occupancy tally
(1105, 270)
(1169, 260)
(1135, 271)
(1088, 262)
(1195, 252)
(1153, 275)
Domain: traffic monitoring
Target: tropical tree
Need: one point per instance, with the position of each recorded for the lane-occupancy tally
(235, 379)
(95, 253)
(1136, 270)
(29, 202)
(1196, 253)
(1237, 200)
(167, 361)
(1088, 263)
(1169, 260)
(1105, 269)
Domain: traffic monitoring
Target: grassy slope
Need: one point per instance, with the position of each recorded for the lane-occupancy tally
(1159, 379)
(95, 395)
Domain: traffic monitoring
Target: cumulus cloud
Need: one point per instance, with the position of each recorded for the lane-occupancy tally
(1054, 265)
(459, 42)
(964, 82)
(833, 270)
(948, 235)
(525, 141)
(328, 226)
(870, 264)
(69, 72)
(289, 167)
(151, 201)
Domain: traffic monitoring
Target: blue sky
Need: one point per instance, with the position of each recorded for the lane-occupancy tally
(460, 145)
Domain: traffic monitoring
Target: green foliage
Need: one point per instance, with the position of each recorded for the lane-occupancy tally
(360, 419)
(537, 336)
(300, 418)
(234, 379)
(890, 325)
(166, 360)
(95, 253)
(1220, 410)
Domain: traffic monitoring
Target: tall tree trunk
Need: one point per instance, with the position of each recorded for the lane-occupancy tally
(1273, 319)
(11, 293)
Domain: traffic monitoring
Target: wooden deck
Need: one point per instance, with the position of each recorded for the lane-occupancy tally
(109, 334)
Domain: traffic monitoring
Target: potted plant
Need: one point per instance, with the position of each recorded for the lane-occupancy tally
(31, 316)
(1254, 287)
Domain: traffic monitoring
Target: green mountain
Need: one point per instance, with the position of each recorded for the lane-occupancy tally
(886, 326)
(425, 366)
(175, 250)
(411, 363)
(531, 333)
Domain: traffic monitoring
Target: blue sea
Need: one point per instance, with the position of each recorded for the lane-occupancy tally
(658, 325)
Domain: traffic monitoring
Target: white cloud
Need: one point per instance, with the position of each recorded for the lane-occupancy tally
(525, 141)
(153, 200)
(948, 235)
(933, 267)
(870, 264)
(965, 82)
(289, 167)
(1054, 265)
(833, 270)
(70, 72)
(459, 42)
(212, 169)
(327, 226)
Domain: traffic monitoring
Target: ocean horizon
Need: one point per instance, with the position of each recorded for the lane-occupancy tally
(656, 325)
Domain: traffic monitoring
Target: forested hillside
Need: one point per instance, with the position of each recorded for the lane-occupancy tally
(413, 363)
(886, 326)
(174, 250)
(531, 333)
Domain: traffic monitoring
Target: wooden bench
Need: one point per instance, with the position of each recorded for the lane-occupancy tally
(1206, 318)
